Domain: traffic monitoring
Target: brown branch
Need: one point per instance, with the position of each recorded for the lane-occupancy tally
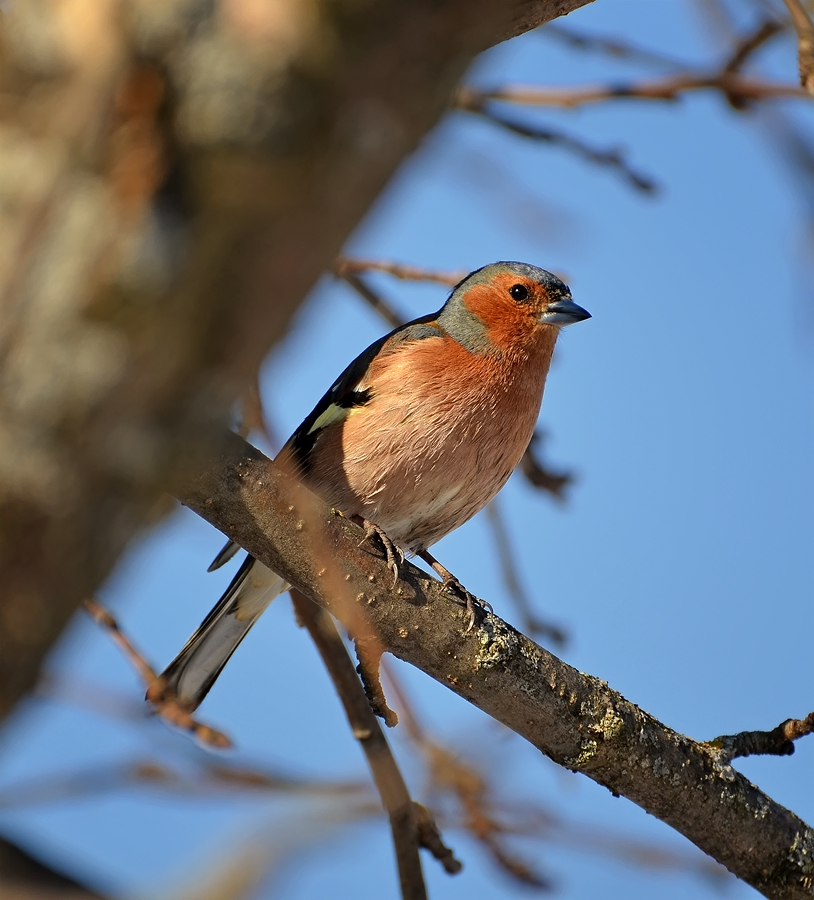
(805, 42)
(346, 266)
(252, 416)
(613, 159)
(539, 475)
(621, 49)
(395, 797)
(369, 654)
(777, 742)
(575, 719)
(168, 710)
(451, 773)
(670, 87)
(750, 43)
(508, 564)
(625, 50)
(430, 838)
(374, 299)
(208, 777)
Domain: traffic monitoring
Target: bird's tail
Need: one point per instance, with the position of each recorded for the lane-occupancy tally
(192, 673)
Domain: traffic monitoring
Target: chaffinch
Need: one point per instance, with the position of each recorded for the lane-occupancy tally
(417, 435)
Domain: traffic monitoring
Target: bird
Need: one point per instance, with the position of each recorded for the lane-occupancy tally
(417, 435)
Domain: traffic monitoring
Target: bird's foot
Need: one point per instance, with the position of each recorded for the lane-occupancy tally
(475, 607)
(393, 553)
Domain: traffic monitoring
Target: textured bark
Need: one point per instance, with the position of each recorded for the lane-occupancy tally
(575, 719)
(176, 175)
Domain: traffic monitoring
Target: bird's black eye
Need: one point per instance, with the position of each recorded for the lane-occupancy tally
(519, 291)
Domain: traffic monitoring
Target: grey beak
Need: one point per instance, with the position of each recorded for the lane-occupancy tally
(564, 312)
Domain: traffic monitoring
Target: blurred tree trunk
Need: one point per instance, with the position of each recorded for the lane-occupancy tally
(176, 175)
(24, 878)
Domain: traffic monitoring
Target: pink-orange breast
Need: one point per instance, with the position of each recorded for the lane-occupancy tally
(440, 436)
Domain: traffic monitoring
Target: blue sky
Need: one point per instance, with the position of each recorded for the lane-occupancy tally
(681, 565)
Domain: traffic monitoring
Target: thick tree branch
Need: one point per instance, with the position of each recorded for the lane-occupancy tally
(575, 719)
(24, 878)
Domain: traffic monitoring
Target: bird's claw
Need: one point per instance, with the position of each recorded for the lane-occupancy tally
(475, 607)
(393, 553)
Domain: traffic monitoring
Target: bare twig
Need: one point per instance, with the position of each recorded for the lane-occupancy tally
(253, 418)
(368, 644)
(207, 778)
(668, 88)
(751, 42)
(369, 655)
(508, 565)
(366, 292)
(430, 838)
(393, 791)
(471, 102)
(777, 742)
(479, 818)
(538, 473)
(345, 265)
(168, 710)
(805, 42)
(617, 47)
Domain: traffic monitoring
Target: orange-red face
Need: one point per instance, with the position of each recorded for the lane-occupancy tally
(516, 302)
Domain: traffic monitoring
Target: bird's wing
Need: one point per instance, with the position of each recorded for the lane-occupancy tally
(347, 392)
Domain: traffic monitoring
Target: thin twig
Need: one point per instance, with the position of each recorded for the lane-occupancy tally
(777, 742)
(168, 710)
(805, 42)
(393, 791)
(610, 158)
(539, 475)
(616, 47)
(345, 265)
(750, 43)
(369, 654)
(430, 838)
(668, 88)
(508, 565)
(207, 779)
(253, 418)
(374, 299)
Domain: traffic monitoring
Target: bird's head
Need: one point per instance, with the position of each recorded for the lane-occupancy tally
(508, 302)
